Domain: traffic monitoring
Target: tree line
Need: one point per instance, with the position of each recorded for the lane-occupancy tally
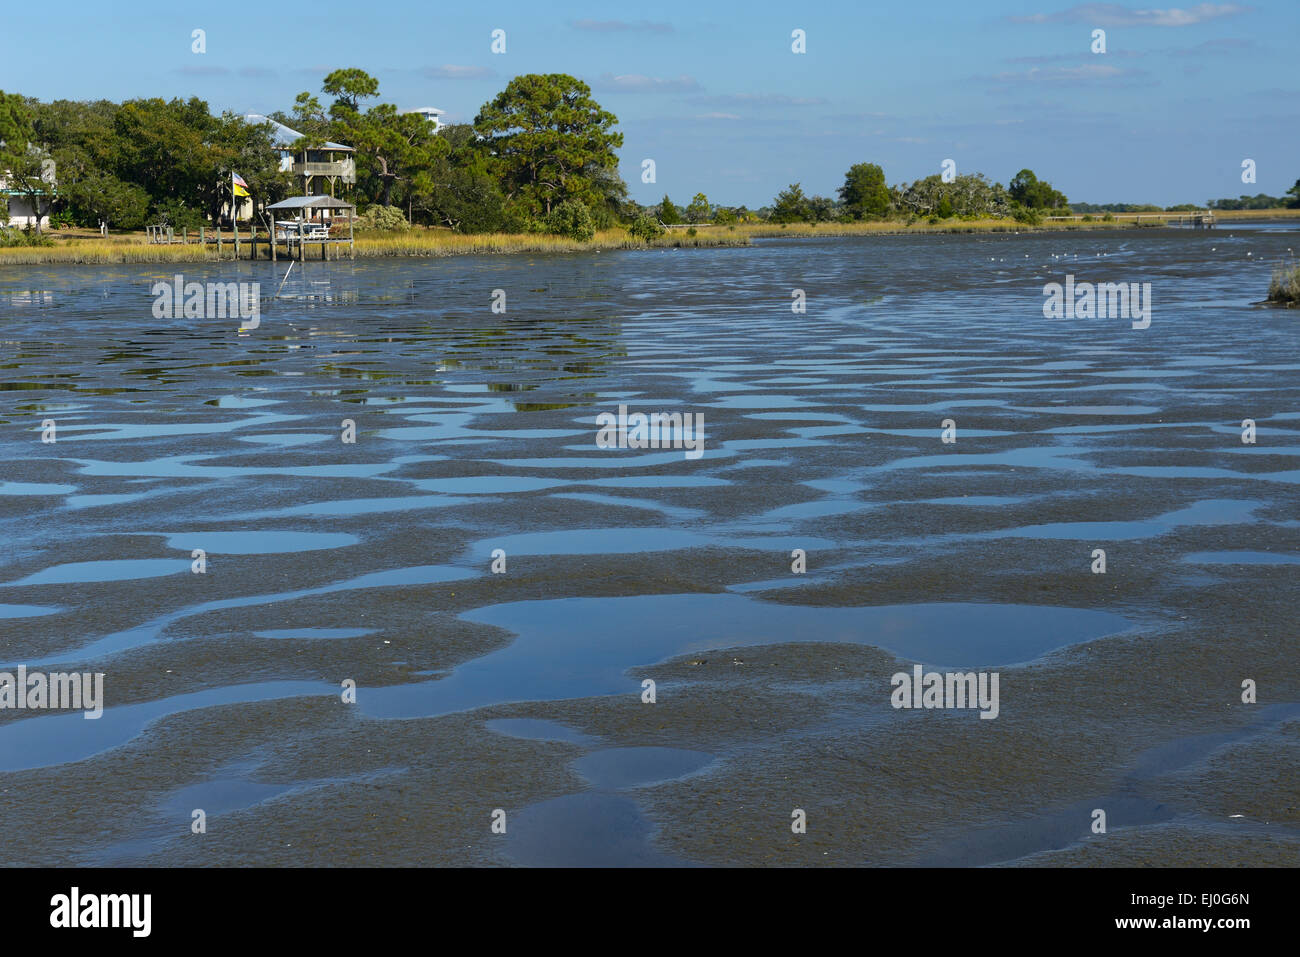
(540, 156)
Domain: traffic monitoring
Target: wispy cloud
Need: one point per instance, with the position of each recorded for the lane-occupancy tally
(1075, 57)
(847, 118)
(1222, 47)
(1114, 15)
(202, 71)
(1092, 73)
(451, 71)
(622, 26)
(639, 83)
(758, 99)
(255, 72)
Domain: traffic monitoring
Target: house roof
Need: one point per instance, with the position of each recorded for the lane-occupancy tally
(425, 109)
(283, 137)
(311, 202)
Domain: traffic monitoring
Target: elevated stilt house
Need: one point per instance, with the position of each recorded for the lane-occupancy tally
(322, 169)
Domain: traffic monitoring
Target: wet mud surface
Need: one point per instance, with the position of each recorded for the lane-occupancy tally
(522, 691)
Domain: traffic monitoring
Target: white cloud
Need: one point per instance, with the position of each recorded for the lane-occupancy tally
(1070, 75)
(639, 83)
(622, 26)
(451, 71)
(1113, 15)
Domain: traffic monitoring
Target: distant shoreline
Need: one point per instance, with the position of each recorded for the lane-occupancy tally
(434, 244)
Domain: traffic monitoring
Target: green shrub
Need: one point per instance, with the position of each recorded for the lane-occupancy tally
(23, 237)
(382, 219)
(646, 228)
(174, 213)
(1024, 214)
(1108, 218)
(1285, 287)
(572, 219)
(692, 231)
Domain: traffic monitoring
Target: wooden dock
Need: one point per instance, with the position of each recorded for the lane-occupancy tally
(1197, 219)
(298, 233)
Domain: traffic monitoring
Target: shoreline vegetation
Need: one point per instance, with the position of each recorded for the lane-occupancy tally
(73, 246)
(536, 171)
(1284, 290)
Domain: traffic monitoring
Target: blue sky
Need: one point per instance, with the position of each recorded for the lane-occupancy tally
(712, 92)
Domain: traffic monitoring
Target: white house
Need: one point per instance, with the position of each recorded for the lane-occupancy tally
(430, 113)
(21, 214)
(332, 162)
(320, 170)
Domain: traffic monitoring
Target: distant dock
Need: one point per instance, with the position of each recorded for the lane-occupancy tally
(1202, 219)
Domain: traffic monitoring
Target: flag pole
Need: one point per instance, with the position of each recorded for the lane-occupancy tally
(234, 212)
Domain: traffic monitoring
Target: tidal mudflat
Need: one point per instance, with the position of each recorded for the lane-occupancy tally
(523, 688)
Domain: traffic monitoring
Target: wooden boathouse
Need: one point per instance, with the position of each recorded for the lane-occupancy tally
(312, 219)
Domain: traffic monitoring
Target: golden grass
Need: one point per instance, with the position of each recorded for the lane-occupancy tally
(104, 251)
(85, 246)
(886, 227)
(442, 243)
(1285, 287)
(415, 243)
(897, 227)
(1257, 214)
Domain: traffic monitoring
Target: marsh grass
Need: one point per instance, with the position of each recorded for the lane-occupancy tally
(902, 226)
(69, 247)
(374, 245)
(105, 251)
(1284, 289)
(441, 243)
(1255, 214)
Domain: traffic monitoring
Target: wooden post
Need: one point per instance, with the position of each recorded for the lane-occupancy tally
(272, 237)
(234, 224)
(252, 238)
(218, 240)
(352, 248)
(201, 237)
(185, 235)
(169, 235)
